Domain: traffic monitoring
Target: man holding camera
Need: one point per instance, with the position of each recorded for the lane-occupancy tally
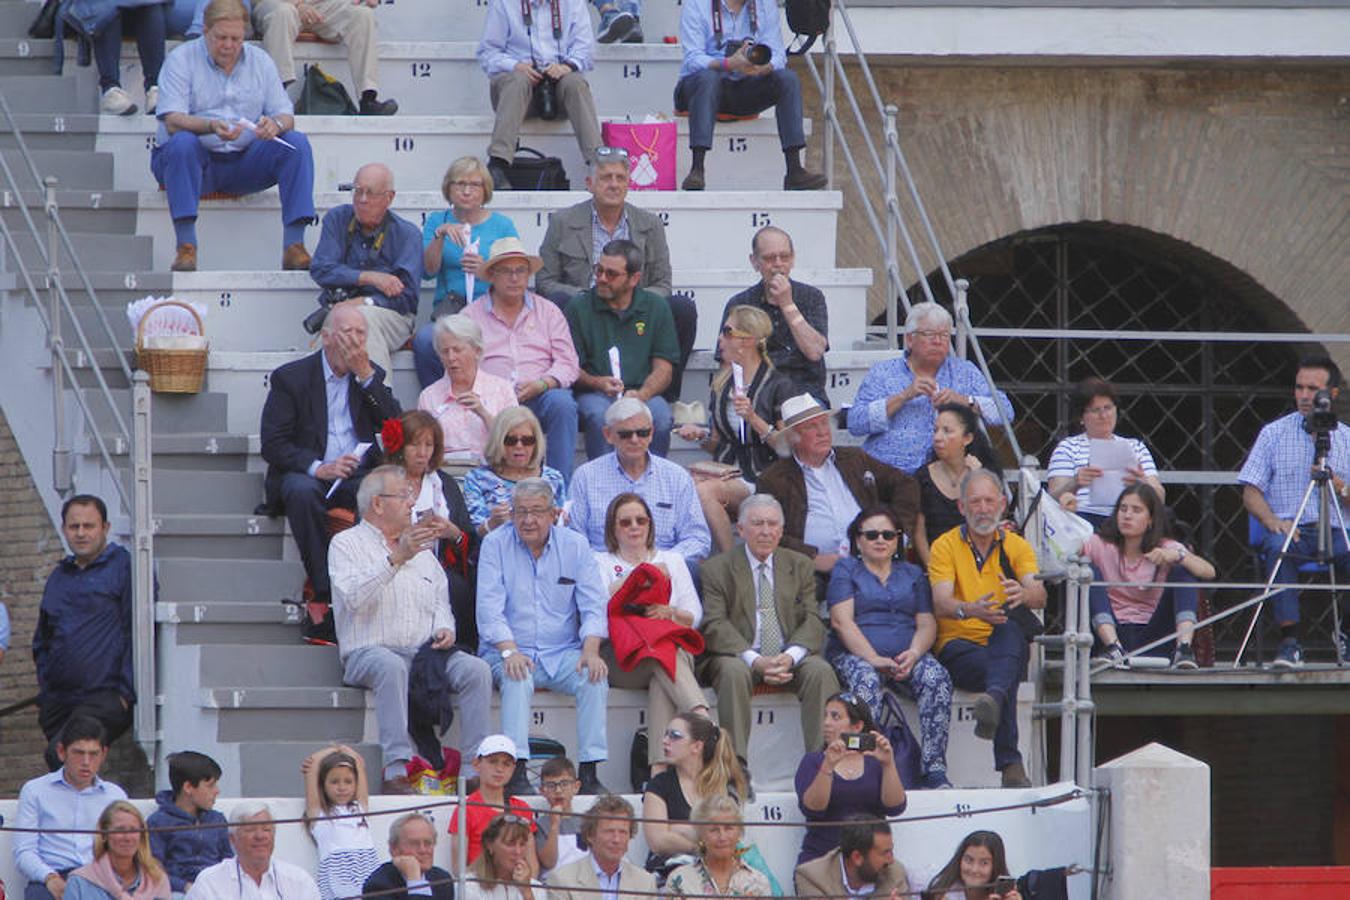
(734, 63)
(534, 53)
(1273, 481)
(366, 251)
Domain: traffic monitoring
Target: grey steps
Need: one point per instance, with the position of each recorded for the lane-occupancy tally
(76, 169)
(222, 537)
(174, 413)
(76, 219)
(30, 88)
(254, 666)
(221, 583)
(264, 777)
(16, 16)
(114, 252)
(185, 491)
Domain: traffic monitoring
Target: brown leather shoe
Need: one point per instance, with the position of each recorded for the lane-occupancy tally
(295, 256)
(185, 259)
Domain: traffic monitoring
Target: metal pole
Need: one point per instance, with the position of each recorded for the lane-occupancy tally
(461, 860)
(1068, 721)
(961, 308)
(62, 474)
(1084, 710)
(142, 569)
(892, 211)
(829, 112)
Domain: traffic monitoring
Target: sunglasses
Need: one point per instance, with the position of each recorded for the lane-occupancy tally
(674, 734)
(885, 534)
(513, 819)
(728, 331)
(640, 521)
(611, 153)
(521, 440)
(628, 433)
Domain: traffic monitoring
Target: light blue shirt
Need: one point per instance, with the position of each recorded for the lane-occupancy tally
(700, 42)
(1280, 465)
(191, 82)
(668, 490)
(904, 439)
(51, 802)
(549, 605)
(830, 507)
(341, 432)
(609, 884)
(4, 627)
(506, 41)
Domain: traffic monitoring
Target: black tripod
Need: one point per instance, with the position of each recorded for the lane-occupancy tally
(1321, 484)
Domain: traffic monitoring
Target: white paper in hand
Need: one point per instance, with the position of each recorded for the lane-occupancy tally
(738, 382)
(470, 247)
(615, 368)
(251, 126)
(1113, 457)
(360, 454)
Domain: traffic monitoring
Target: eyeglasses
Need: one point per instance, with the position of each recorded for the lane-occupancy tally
(560, 785)
(406, 495)
(521, 512)
(365, 193)
(611, 153)
(728, 331)
(640, 521)
(885, 534)
(609, 274)
(466, 185)
(783, 256)
(939, 335)
(522, 440)
(1104, 410)
(512, 271)
(674, 734)
(629, 433)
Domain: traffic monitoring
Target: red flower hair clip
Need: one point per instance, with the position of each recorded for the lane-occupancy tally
(391, 435)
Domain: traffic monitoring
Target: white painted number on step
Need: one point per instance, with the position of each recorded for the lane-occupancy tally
(403, 144)
(95, 200)
(421, 69)
(25, 50)
(59, 124)
(129, 280)
(252, 526)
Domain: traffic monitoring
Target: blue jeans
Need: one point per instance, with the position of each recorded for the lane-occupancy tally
(929, 685)
(705, 94)
(1285, 604)
(604, 6)
(591, 407)
(592, 697)
(557, 414)
(1178, 604)
(187, 170)
(995, 668)
(147, 24)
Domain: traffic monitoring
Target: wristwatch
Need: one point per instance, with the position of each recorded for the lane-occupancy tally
(1181, 553)
(508, 653)
(960, 610)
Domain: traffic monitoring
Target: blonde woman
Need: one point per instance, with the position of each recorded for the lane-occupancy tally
(502, 869)
(123, 867)
(719, 870)
(741, 420)
(515, 449)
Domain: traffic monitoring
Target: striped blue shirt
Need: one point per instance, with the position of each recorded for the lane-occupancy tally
(1280, 464)
(668, 490)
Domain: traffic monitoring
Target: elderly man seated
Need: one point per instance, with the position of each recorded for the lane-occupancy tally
(823, 488)
(677, 517)
(351, 22)
(526, 341)
(410, 870)
(607, 829)
(541, 620)
(320, 411)
(895, 408)
(761, 625)
(226, 124)
(390, 596)
(617, 316)
(534, 54)
(367, 251)
(253, 872)
(981, 576)
(797, 311)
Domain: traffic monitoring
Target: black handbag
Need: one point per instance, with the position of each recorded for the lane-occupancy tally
(323, 95)
(1030, 624)
(534, 171)
(44, 26)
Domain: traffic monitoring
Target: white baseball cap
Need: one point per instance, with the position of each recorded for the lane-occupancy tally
(498, 743)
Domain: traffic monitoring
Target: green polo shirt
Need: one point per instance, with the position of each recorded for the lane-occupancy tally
(644, 330)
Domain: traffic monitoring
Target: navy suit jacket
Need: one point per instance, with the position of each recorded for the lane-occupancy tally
(295, 419)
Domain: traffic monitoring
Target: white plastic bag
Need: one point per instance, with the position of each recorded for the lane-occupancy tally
(1052, 530)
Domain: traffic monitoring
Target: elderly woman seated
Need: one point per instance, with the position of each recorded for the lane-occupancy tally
(466, 399)
(515, 450)
(719, 871)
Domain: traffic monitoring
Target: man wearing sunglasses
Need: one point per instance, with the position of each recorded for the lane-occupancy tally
(677, 517)
(618, 316)
(576, 235)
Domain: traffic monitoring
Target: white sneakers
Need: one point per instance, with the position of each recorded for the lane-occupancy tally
(116, 102)
(151, 99)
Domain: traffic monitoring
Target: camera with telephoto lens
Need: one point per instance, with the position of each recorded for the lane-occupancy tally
(1322, 419)
(546, 99)
(860, 741)
(757, 54)
(330, 297)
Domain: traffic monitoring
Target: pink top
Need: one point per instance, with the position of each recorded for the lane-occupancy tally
(1131, 605)
(539, 344)
(465, 432)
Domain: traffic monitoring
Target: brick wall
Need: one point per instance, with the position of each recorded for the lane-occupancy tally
(29, 547)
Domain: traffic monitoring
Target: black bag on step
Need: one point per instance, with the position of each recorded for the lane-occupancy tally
(808, 19)
(44, 26)
(323, 95)
(533, 171)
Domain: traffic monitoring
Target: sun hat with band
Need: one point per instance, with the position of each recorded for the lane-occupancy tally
(799, 409)
(504, 249)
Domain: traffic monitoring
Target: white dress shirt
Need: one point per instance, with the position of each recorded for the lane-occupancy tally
(227, 880)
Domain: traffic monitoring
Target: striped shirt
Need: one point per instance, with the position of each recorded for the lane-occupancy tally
(375, 604)
(1280, 464)
(1075, 452)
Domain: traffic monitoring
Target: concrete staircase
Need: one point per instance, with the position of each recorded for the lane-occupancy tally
(234, 681)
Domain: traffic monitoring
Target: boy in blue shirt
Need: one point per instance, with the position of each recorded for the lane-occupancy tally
(193, 779)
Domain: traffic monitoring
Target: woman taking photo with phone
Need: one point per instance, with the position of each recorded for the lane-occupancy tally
(977, 871)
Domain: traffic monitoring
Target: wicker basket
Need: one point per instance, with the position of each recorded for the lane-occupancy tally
(171, 371)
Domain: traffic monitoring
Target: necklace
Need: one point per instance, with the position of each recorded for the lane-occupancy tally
(949, 483)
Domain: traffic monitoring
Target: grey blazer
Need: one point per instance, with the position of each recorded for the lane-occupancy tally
(567, 250)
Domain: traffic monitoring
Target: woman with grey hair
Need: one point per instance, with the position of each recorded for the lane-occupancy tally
(466, 399)
(515, 450)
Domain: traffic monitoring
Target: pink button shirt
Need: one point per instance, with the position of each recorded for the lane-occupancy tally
(465, 432)
(537, 345)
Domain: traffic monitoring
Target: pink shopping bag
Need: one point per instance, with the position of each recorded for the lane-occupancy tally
(651, 152)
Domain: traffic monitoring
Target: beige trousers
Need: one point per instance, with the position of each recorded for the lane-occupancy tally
(511, 93)
(666, 698)
(278, 21)
(386, 331)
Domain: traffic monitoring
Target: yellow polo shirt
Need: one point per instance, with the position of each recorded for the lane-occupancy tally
(951, 558)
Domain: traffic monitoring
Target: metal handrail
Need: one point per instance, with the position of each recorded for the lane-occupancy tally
(54, 314)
